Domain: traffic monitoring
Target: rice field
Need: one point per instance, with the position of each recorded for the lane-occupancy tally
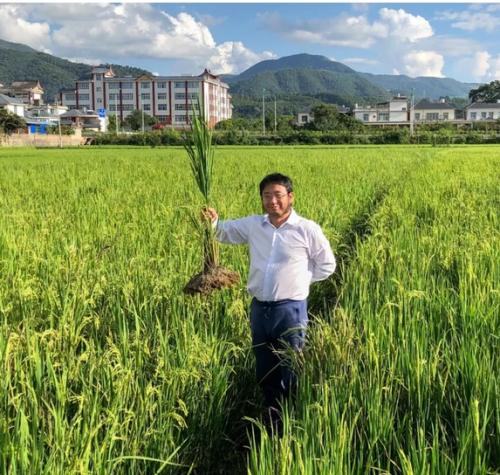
(108, 368)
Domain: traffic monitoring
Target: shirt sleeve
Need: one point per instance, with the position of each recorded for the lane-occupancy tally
(321, 255)
(234, 231)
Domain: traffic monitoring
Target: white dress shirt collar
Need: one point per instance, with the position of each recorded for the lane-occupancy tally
(294, 218)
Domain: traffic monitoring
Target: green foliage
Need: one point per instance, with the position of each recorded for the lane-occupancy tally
(10, 122)
(53, 73)
(109, 369)
(486, 93)
(135, 118)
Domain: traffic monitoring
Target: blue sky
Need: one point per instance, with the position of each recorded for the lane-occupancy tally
(461, 41)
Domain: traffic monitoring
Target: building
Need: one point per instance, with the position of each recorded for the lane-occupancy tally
(40, 117)
(12, 105)
(483, 111)
(170, 99)
(392, 112)
(426, 111)
(83, 120)
(29, 92)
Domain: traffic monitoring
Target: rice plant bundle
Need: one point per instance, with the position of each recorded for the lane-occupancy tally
(200, 151)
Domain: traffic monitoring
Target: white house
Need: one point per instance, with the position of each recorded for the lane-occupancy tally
(12, 105)
(483, 111)
(394, 111)
(426, 111)
(30, 92)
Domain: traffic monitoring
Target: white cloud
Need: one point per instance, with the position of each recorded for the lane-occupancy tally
(405, 26)
(360, 61)
(233, 56)
(18, 30)
(354, 31)
(113, 31)
(481, 66)
(90, 61)
(423, 63)
(472, 20)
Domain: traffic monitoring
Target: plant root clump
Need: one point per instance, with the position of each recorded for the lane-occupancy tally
(213, 278)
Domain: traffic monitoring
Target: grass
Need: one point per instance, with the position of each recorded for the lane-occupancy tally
(109, 368)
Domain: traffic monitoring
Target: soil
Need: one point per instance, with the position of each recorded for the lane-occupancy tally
(214, 278)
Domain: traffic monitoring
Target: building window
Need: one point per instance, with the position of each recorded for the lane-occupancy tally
(146, 107)
(483, 115)
(128, 96)
(145, 96)
(180, 107)
(383, 116)
(162, 107)
(180, 84)
(490, 115)
(180, 118)
(98, 89)
(127, 85)
(162, 118)
(145, 85)
(193, 84)
(473, 115)
(366, 117)
(83, 85)
(180, 96)
(432, 116)
(162, 96)
(112, 97)
(84, 97)
(417, 115)
(128, 107)
(70, 97)
(162, 85)
(114, 85)
(303, 119)
(99, 100)
(445, 115)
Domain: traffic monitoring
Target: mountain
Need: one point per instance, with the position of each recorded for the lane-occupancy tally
(304, 74)
(423, 87)
(20, 62)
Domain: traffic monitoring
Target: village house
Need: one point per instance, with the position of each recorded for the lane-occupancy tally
(483, 111)
(392, 112)
(12, 105)
(427, 111)
(29, 92)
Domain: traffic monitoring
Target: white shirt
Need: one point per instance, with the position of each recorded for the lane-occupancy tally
(283, 261)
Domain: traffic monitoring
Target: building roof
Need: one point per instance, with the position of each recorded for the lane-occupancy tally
(79, 113)
(426, 104)
(5, 100)
(25, 84)
(484, 105)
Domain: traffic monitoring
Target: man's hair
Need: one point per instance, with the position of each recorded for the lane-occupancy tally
(276, 179)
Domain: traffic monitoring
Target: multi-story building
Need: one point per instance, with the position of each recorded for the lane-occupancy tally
(394, 111)
(170, 99)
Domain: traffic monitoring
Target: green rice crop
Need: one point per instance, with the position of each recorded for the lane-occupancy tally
(109, 368)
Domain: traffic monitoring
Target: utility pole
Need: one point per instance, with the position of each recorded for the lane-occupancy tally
(60, 134)
(263, 114)
(274, 115)
(412, 113)
(142, 115)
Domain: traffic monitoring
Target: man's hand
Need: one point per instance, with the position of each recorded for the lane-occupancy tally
(209, 214)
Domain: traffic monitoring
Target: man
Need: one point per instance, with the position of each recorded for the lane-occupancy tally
(287, 253)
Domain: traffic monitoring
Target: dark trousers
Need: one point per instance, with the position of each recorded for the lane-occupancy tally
(277, 328)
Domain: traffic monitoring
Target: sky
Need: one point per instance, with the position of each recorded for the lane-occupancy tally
(459, 41)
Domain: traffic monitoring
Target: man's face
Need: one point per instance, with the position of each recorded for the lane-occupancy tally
(276, 200)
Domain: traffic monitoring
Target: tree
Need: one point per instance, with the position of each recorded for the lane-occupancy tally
(134, 120)
(10, 122)
(327, 117)
(486, 93)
